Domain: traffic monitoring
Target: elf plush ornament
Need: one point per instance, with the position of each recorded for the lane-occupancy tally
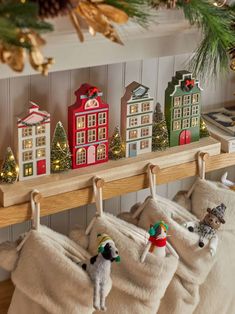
(207, 227)
(157, 240)
(99, 269)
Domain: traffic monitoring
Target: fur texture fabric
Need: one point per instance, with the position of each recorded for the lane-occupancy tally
(218, 293)
(182, 295)
(137, 287)
(8, 255)
(47, 278)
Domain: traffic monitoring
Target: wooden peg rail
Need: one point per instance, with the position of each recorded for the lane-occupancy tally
(74, 189)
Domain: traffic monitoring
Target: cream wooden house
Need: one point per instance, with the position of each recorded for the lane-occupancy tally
(34, 143)
(136, 119)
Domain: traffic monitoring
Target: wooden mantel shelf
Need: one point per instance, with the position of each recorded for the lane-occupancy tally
(74, 180)
(73, 189)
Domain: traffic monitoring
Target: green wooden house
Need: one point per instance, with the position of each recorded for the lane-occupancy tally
(183, 109)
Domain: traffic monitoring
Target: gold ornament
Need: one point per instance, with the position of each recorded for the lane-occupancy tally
(98, 16)
(15, 56)
(36, 58)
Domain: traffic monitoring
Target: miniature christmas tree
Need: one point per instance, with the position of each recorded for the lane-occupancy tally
(10, 170)
(203, 129)
(116, 145)
(160, 140)
(60, 153)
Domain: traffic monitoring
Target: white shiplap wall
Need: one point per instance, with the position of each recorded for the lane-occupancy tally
(55, 92)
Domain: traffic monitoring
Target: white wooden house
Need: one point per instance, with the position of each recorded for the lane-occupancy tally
(34, 143)
(136, 119)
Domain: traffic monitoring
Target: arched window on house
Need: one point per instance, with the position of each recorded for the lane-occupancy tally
(81, 156)
(101, 152)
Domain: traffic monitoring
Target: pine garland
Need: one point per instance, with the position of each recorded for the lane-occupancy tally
(211, 57)
(138, 10)
(15, 17)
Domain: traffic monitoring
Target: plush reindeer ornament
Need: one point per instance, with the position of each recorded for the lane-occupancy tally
(157, 240)
(207, 227)
(99, 269)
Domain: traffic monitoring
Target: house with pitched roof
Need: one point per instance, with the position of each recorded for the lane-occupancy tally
(33, 143)
(136, 119)
(183, 109)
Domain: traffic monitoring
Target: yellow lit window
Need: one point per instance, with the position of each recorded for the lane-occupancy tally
(144, 132)
(102, 118)
(195, 121)
(186, 123)
(41, 141)
(28, 155)
(145, 119)
(101, 152)
(81, 156)
(132, 134)
(196, 98)
(145, 106)
(80, 137)
(102, 133)
(40, 129)
(144, 144)
(40, 153)
(133, 121)
(177, 113)
(26, 144)
(177, 101)
(187, 100)
(27, 131)
(134, 109)
(186, 111)
(195, 110)
(176, 125)
(81, 120)
(91, 135)
(91, 120)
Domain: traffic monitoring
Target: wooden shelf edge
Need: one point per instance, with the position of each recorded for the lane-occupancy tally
(54, 204)
(77, 179)
(6, 291)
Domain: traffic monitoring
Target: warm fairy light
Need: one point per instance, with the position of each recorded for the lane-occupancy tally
(10, 173)
(11, 157)
(17, 169)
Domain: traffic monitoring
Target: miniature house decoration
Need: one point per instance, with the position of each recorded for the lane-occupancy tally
(183, 109)
(88, 127)
(136, 119)
(34, 143)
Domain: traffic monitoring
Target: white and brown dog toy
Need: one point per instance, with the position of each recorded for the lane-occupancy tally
(99, 269)
(207, 227)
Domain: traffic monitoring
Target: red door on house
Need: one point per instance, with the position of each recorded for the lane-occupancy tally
(41, 166)
(185, 137)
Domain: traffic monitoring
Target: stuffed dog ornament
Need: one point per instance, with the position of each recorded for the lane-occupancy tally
(99, 269)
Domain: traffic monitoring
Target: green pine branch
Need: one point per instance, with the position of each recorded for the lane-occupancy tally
(211, 57)
(16, 16)
(138, 10)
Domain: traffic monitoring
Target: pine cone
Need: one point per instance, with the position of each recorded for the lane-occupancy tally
(53, 8)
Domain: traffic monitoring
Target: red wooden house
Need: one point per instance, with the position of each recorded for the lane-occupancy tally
(88, 127)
